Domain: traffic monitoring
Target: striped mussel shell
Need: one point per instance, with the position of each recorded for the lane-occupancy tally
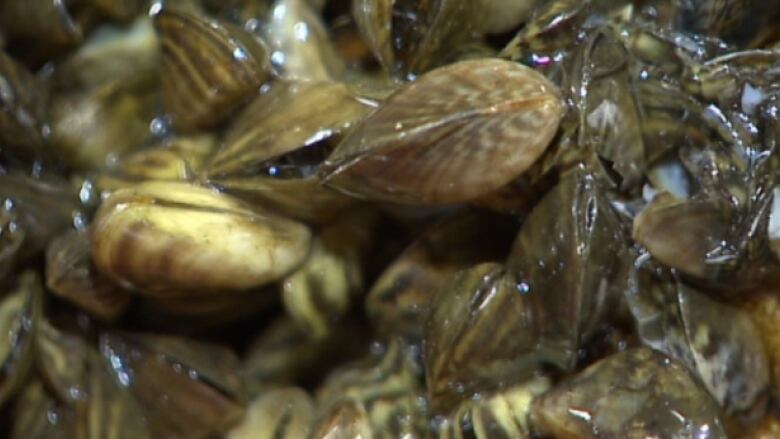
(273, 149)
(43, 27)
(184, 388)
(382, 394)
(744, 22)
(172, 239)
(502, 415)
(71, 275)
(20, 312)
(208, 68)
(319, 293)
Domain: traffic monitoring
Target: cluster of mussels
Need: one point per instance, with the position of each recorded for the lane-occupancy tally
(252, 219)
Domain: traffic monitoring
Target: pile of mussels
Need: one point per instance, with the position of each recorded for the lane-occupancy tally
(389, 219)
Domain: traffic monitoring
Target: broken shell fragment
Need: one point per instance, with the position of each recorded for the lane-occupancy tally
(173, 239)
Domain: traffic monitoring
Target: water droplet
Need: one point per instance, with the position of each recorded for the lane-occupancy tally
(155, 8)
(301, 31)
(159, 126)
(76, 393)
(52, 417)
(523, 288)
(239, 54)
(457, 386)
(377, 348)
(277, 58)
(80, 222)
(87, 192)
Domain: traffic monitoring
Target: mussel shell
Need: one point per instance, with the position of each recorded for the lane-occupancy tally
(208, 68)
(23, 118)
(385, 389)
(609, 113)
(38, 415)
(499, 16)
(450, 136)
(110, 54)
(91, 127)
(20, 314)
(400, 299)
(346, 420)
(290, 116)
(33, 212)
(187, 316)
(744, 22)
(763, 306)
(64, 362)
(318, 294)
(638, 393)
(725, 343)
(552, 25)
(179, 158)
(568, 264)
(259, 157)
(683, 233)
(119, 10)
(413, 36)
(502, 415)
(300, 44)
(43, 27)
(480, 337)
(111, 408)
(304, 199)
(185, 389)
(712, 339)
(173, 239)
(71, 275)
(283, 354)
